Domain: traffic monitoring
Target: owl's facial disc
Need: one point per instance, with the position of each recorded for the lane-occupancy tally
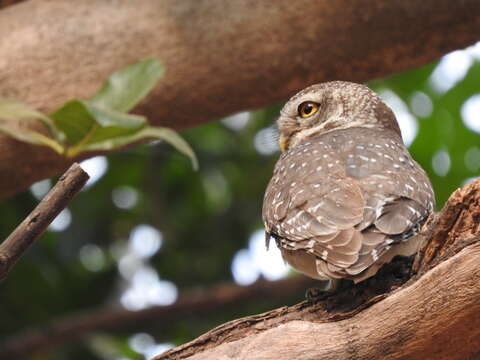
(305, 110)
(302, 116)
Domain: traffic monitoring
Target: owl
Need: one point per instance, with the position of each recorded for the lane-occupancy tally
(345, 196)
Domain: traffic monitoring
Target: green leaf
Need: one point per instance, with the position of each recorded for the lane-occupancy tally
(15, 110)
(83, 122)
(168, 135)
(31, 137)
(125, 88)
(74, 119)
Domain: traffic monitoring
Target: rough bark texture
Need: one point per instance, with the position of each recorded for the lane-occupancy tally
(433, 315)
(221, 56)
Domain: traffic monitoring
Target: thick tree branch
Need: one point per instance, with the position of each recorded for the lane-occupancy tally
(221, 56)
(192, 304)
(37, 222)
(435, 314)
(5, 3)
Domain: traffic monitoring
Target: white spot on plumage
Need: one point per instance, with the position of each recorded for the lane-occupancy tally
(316, 207)
(277, 206)
(413, 211)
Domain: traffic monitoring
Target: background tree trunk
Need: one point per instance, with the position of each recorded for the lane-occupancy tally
(433, 315)
(221, 56)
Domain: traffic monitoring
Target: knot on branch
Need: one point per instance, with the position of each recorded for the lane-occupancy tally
(455, 227)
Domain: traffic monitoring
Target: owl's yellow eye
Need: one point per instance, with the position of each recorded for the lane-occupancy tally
(307, 109)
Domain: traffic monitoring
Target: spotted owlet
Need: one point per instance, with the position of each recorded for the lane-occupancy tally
(345, 196)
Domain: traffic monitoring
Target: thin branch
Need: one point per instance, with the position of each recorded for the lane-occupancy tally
(40, 218)
(220, 56)
(191, 304)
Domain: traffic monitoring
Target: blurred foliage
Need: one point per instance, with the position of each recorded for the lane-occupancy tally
(205, 217)
(99, 123)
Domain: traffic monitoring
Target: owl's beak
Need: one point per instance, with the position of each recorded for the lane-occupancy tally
(283, 142)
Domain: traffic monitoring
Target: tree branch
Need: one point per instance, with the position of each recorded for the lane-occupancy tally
(5, 3)
(435, 314)
(191, 304)
(37, 222)
(215, 53)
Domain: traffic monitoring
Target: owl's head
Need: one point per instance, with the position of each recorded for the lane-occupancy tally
(332, 105)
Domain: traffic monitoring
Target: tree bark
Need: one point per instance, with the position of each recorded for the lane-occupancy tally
(221, 56)
(434, 315)
(5, 3)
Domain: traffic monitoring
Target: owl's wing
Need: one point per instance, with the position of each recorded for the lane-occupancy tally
(318, 218)
(397, 193)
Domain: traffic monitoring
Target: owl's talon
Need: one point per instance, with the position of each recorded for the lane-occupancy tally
(315, 294)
